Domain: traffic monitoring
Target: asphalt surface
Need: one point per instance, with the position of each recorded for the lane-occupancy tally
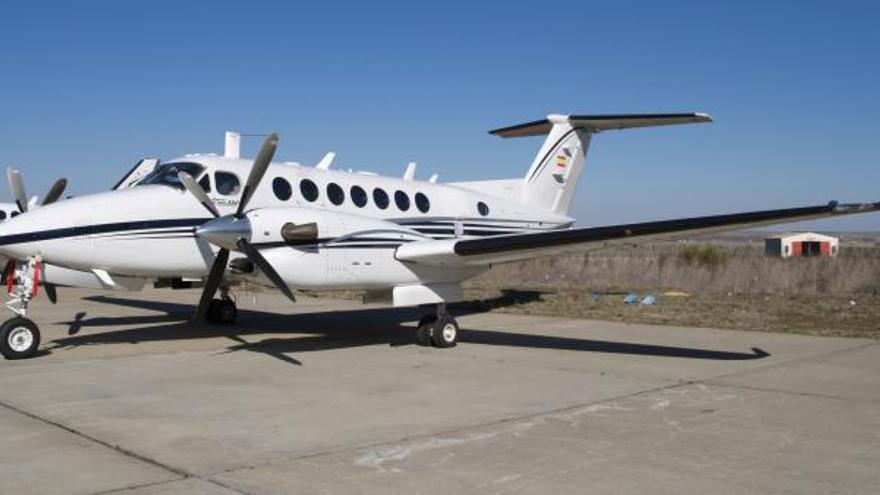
(332, 396)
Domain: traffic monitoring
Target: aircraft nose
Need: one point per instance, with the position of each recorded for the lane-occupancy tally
(16, 240)
(225, 231)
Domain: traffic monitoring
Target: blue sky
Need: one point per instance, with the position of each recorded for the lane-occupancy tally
(87, 88)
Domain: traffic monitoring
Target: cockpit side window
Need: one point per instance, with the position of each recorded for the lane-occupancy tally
(166, 174)
(227, 183)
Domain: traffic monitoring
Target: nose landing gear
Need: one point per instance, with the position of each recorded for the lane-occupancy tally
(20, 336)
(438, 330)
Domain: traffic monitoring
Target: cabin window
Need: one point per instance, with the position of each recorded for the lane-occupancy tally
(227, 183)
(483, 208)
(402, 200)
(422, 203)
(205, 182)
(309, 190)
(2, 215)
(13, 214)
(335, 193)
(358, 196)
(380, 197)
(281, 188)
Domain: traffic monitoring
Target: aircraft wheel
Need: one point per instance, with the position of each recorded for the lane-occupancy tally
(445, 332)
(19, 338)
(222, 311)
(423, 333)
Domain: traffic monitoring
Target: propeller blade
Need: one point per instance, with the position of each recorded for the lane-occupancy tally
(55, 192)
(49, 287)
(215, 276)
(254, 255)
(196, 190)
(51, 293)
(261, 163)
(16, 185)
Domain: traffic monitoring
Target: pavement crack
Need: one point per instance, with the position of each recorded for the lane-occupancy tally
(136, 487)
(118, 448)
(782, 391)
(180, 474)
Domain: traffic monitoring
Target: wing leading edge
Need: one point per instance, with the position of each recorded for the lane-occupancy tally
(515, 247)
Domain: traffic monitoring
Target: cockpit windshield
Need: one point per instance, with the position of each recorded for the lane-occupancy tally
(166, 174)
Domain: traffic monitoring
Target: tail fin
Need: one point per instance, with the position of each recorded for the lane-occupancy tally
(553, 176)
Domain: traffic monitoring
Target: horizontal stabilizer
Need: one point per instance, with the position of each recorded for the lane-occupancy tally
(596, 123)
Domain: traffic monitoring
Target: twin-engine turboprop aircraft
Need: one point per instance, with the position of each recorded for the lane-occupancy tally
(295, 227)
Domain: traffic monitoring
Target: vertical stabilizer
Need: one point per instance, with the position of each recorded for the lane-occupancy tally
(553, 176)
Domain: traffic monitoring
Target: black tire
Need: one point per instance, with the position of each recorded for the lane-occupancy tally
(423, 333)
(19, 338)
(212, 315)
(445, 332)
(227, 312)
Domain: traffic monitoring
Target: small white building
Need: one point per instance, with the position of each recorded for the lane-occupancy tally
(801, 244)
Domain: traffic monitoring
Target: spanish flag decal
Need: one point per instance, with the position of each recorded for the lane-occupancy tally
(562, 157)
(561, 160)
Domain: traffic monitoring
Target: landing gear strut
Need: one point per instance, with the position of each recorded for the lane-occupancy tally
(438, 330)
(20, 336)
(222, 310)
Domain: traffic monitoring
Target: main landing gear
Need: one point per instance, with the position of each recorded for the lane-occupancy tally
(222, 310)
(438, 330)
(20, 336)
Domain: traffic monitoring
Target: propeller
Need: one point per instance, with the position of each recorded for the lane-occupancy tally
(55, 192)
(16, 185)
(231, 232)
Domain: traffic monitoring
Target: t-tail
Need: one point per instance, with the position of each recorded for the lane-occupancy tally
(551, 180)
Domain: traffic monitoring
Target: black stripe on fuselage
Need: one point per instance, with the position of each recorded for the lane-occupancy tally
(104, 228)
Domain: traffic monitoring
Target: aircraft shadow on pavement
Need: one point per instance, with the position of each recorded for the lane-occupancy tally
(315, 331)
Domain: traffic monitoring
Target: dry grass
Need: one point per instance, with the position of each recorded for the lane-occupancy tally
(717, 268)
(813, 315)
(733, 285)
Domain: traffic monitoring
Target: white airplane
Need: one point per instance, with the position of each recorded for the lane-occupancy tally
(412, 242)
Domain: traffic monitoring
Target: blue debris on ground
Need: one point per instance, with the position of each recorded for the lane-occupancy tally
(631, 298)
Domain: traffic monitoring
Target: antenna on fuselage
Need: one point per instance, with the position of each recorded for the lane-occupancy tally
(410, 171)
(232, 148)
(325, 162)
(433, 179)
(232, 145)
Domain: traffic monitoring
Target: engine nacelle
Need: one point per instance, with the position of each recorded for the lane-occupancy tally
(324, 250)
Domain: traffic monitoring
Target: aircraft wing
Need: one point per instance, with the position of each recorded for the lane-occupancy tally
(516, 247)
